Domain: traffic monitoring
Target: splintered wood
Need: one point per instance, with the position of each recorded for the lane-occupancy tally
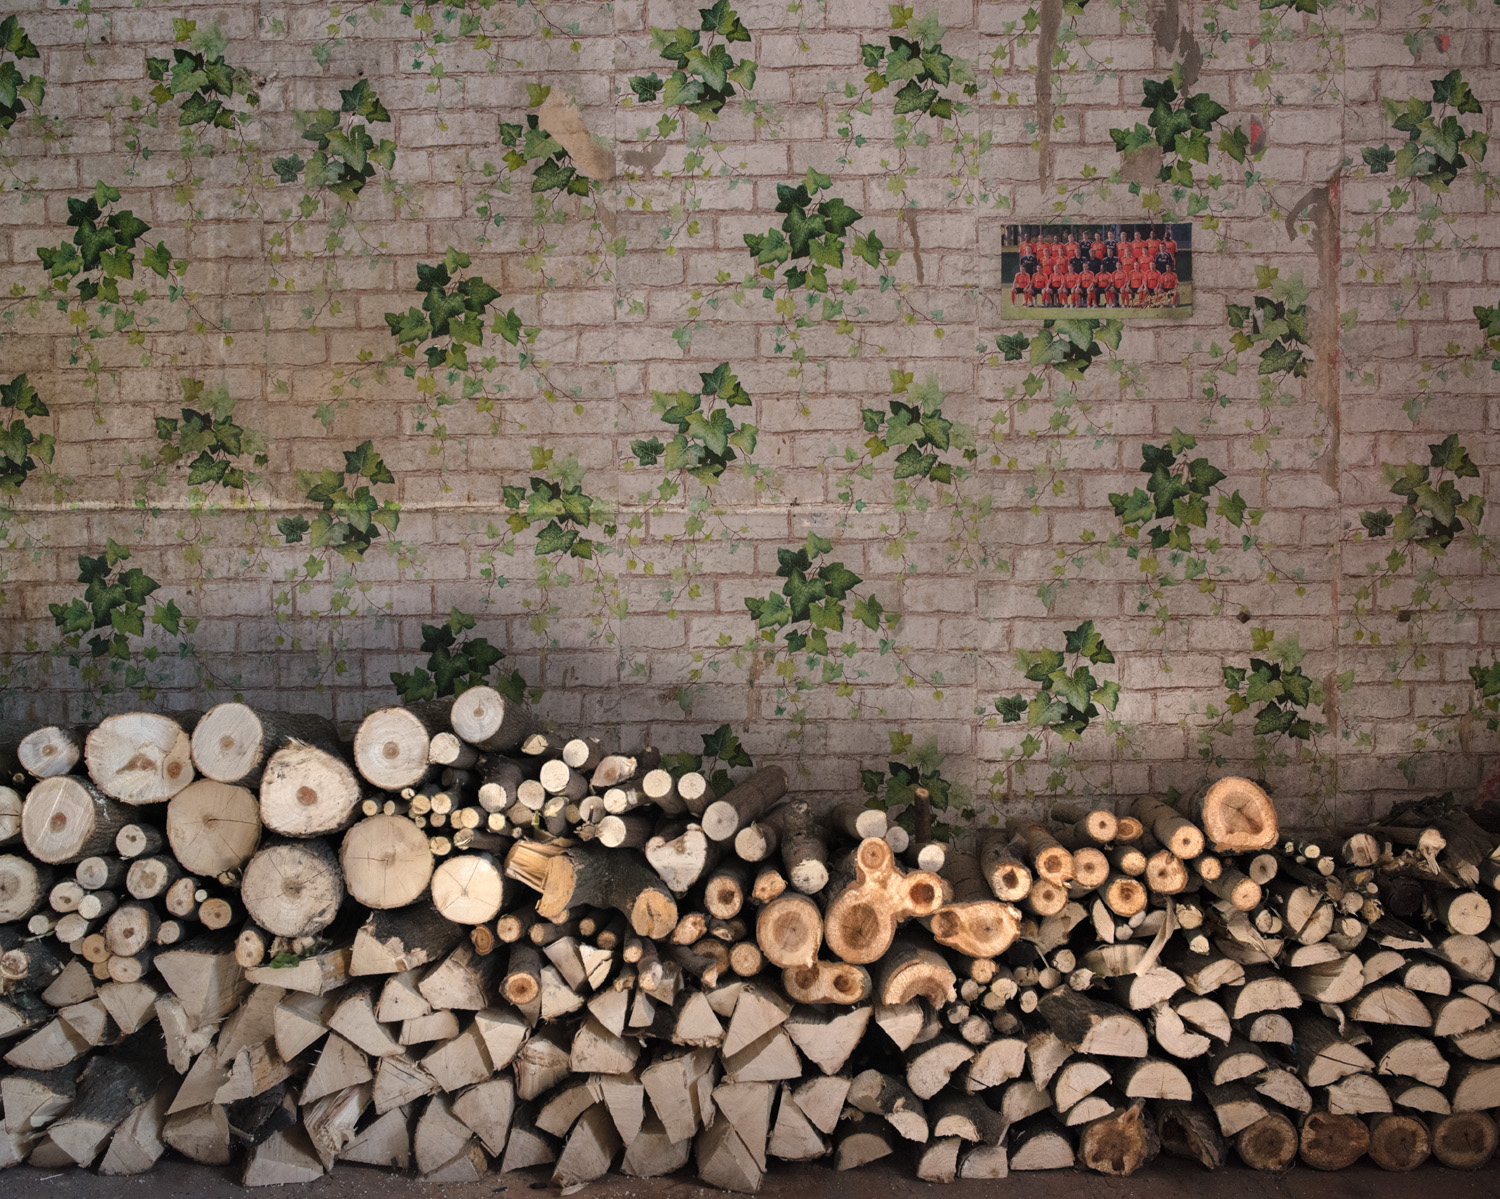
(467, 941)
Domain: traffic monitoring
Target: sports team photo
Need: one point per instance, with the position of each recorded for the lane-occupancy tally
(1131, 269)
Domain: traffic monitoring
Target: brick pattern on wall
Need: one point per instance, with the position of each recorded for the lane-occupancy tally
(638, 289)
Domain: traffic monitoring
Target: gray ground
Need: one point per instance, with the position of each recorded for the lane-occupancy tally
(1163, 1179)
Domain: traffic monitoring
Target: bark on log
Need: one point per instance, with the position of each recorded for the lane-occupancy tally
(490, 722)
(615, 879)
(749, 800)
(233, 742)
(67, 819)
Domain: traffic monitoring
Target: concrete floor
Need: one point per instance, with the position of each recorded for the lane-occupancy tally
(1165, 1178)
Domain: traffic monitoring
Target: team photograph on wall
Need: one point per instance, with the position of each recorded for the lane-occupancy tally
(1134, 270)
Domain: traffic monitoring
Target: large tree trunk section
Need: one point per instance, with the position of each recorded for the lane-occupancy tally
(233, 742)
(387, 862)
(604, 878)
(860, 923)
(213, 827)
(67, 819)
(1236, 816)
(139, 757)
(907, 971)
(306, 792)
(293, 889)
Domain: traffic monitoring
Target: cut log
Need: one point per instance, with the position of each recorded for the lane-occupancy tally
(67, 819)
(137, 1143)
(139, 757)
(1092, 1027)
(1236, 816)
(1119, 1144)
(1174, 831)
(1009, 878)
(468, 888)
(395, 941)
(51, 750)
(307, 791)
(907, 971)
(804, 852)
(200, 1134)
(1464, 1140)
(882, 1095)
(827, 1039)
(1188, 1130)
(1333, 1142)
(1399, 1142)
(789, 931)
(681, 854)
(1390, 1004)
(861, 1142)
(213, 827)
(489, 722)
(1270, 1143)
(1041, 1143)
(23, 887)
(929, 1069)
(595, 877)
(293, 889)
(748, 800)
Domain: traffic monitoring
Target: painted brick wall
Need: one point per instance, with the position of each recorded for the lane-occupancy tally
(277, 299)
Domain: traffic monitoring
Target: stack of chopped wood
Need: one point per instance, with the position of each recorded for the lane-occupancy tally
(468, 942)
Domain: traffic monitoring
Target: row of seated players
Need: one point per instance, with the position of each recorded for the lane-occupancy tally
(1135, 288)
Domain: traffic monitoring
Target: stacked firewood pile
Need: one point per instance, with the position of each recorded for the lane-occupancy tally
(467, 941)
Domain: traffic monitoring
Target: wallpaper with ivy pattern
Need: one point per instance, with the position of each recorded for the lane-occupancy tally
(647, 359)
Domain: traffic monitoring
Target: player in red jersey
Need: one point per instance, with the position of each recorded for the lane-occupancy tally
(1091, 295)
(1073, 281)
(1169, 289)
(1120, 281)
(1071, 249)
(1022, 288)
(1097, 249)
(1153, 287)
(1153, 244)
(1059, 285)
(1169, 245)
(1137, 282)
(1025, 249)
(1042, 281)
